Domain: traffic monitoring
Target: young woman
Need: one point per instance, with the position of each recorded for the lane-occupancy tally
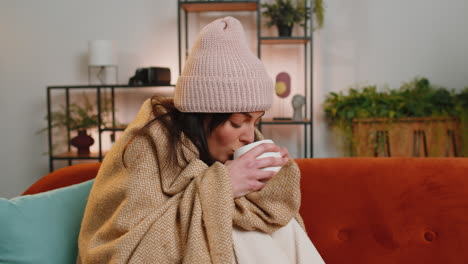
(169, 191)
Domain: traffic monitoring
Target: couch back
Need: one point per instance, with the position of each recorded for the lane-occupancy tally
(368, 210)
(386, 210)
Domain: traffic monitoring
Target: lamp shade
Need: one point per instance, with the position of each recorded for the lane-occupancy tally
(101, 53)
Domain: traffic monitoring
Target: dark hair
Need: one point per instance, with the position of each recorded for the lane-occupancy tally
(196, 126)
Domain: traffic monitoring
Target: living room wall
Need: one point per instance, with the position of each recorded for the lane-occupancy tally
(45, 43)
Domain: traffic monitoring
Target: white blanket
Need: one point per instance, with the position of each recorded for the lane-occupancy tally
(289, 244)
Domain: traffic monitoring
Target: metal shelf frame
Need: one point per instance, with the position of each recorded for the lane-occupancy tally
(185, 7)
(69, 155)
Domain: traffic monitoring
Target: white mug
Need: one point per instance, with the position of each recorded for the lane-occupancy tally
(240, 151)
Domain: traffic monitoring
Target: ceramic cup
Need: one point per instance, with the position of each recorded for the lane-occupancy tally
(248, 147)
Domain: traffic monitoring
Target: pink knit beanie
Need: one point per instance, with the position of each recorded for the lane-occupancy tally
(222, 75)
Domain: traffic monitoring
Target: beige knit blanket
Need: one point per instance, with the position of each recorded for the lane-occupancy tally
(152, 211)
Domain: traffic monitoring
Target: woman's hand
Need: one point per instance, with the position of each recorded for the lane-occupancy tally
(245, 172)
(285, 153)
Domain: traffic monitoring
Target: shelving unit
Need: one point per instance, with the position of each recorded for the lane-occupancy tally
(70, 155)
(207, 6)
(255, 5)
(203, 6)
(283, 40)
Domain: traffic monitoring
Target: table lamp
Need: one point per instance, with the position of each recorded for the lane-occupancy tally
(102, 56)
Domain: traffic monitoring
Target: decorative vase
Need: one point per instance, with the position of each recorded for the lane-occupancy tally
(284, 30)
(82, 142)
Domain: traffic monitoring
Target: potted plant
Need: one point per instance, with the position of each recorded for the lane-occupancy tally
(418, 119)
(81, 117)
(284, 14)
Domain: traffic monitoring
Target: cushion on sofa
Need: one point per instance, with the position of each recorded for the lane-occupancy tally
(43, 228)
(386, 210)
(74, 174)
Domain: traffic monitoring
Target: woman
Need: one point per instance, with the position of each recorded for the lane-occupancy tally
(169, 191)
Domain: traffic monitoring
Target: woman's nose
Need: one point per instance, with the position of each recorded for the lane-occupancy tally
(248, 135)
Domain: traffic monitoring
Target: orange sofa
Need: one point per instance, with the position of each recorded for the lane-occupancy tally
(368, 210)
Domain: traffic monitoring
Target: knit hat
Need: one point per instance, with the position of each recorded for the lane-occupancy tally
(222, 75)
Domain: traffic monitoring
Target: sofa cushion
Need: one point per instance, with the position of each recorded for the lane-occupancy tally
(386, 210)
(43, 228)
(66, 176)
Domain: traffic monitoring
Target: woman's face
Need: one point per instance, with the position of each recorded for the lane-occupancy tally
(236, 132)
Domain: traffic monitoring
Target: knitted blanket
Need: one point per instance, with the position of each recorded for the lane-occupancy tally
(154, 211)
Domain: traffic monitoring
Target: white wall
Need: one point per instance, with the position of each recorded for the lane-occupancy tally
(44, 43)
(388, 42)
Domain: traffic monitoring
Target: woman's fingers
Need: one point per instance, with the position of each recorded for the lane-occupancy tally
(264, 176)
(246, 171)
(285, 153)
(257, 186)
(270, 162)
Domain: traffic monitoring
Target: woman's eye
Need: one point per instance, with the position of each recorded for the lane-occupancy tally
(235, 125)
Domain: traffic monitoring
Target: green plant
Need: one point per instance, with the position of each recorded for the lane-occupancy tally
(81, 116)
(461, 106)
(461, 100)
(283, 13)
(416, 98)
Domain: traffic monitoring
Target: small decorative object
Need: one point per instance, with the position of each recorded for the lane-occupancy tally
(282, 90)
(101, 56)
(283, 85)
(82, 142)
(284, 14)
(298, 102)
(151, 76)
